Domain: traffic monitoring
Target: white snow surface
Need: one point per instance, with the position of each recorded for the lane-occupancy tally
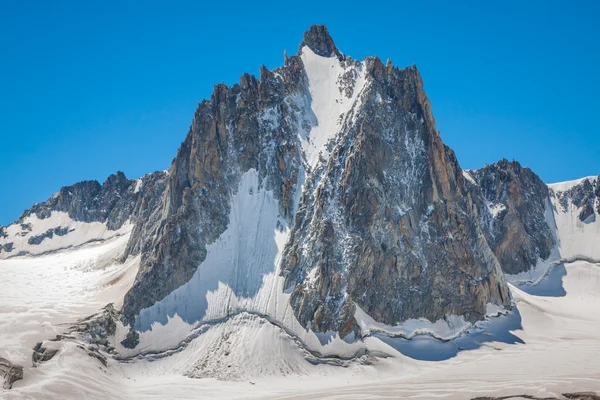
(575, 239)
(79, 233)
(328, 104)
(449, 327)
(558, 334)
(41, 295)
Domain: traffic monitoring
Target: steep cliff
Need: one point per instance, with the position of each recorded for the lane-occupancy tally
(513, 205)
(375, 206)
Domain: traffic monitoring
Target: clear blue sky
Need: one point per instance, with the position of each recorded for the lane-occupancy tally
(89, 88)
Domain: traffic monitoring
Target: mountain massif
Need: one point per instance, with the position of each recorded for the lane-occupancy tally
(318, 197)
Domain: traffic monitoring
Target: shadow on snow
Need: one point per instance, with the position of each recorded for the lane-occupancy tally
(428, 348)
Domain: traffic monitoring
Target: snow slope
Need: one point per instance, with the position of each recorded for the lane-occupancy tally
(558, 352)
(75, 233)
(240, 274)
(327, 102)
(575, 239)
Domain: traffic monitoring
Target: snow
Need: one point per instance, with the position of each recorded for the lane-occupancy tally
(235, 264)
(467, 175)
(449, 327)
(556, 335)
(41, 294)
(138, 185)
(575, 239)
(78, 234)
(327, 102)
(564, 186)
(496, 209)
(239, 275)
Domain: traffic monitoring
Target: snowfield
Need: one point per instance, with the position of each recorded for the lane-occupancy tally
(556, 350)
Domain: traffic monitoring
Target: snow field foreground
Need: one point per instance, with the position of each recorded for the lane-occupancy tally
(558, 352)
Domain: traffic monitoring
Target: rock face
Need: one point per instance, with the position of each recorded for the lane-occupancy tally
(377, 207)
(89, 201)
(585, 196)
(113, 203)
(390, 225)
(42, 354)
(9, 373)
(514, 204)
(59, 230)
(317, 38)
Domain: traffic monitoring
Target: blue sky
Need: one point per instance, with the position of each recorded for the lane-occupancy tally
(89, 88)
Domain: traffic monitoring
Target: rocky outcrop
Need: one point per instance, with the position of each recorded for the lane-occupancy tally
(317, 38)
(113, 203)
(513, 206)
(59, 231)
(10, 373)
(585, 196)
(89, 201)
(7, 247)
(42, 354)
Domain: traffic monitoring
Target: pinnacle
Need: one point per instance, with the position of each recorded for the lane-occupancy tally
(317, 38)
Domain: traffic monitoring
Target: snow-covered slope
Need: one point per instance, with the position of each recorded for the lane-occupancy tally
(572, 212)
(35, 236)
(556, 335)
(326, 75)
(578, 235)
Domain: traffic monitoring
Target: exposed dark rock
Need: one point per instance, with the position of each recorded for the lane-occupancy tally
(42, 354)
(58, 231)
(89, 201)
(7, 247)
(98, 327)
(585, 196)
(317, 38)
(396, 231)
(131, 340)
(512, 207)
(10, 373)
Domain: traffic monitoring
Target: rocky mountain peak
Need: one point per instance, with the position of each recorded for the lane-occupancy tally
(513, 202)
(317, 38)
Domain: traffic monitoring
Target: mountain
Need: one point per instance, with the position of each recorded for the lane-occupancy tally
(317, 200)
